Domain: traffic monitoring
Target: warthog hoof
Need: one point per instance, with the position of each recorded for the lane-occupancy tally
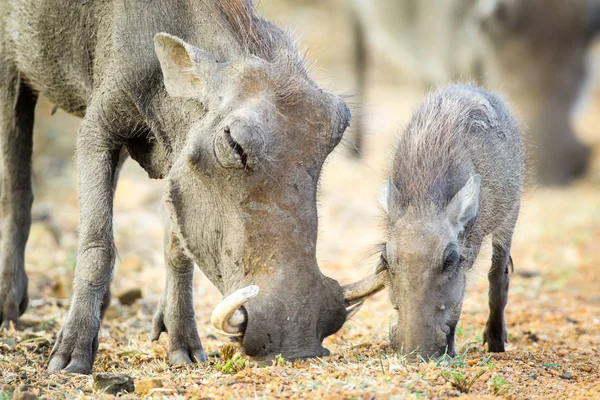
(13, 300)
(184, 343)
(76, 344)
(495, 335)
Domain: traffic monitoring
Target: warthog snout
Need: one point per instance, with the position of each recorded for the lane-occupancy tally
(273, 317)
(434, 342)
(293, 321)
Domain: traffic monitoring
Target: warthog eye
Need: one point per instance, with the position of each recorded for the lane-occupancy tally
(451, 258)
(235, 146)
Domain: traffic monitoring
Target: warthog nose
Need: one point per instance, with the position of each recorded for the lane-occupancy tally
(423, 344)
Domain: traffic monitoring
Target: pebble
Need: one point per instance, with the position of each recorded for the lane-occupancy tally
(10, 342)
(587, 368)
(130, 296)
(566, 375)
(113, 383)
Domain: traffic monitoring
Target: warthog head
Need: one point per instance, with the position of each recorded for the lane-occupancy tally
(536, 52)
(242, 193)
(424, 258)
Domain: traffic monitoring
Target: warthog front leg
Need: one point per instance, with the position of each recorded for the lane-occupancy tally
(97, 160)
(495, 334)
(175, 314)
(17, 104)
(122, 158)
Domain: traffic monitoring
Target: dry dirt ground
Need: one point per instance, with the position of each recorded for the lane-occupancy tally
(553, 313)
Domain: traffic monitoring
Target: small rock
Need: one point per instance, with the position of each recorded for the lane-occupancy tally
(18, 395)
(113, 383)
(146, 385)
(587, 368)
(10, 342)
(566, 375)
(533, 376)
(572, 321)
(129, 297)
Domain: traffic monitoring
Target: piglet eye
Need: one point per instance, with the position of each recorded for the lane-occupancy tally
(451, 259)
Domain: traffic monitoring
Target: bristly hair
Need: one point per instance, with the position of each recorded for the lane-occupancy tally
(438, 143)
(241, 17)
(264, 40)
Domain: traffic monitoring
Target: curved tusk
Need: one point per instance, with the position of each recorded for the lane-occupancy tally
(351, 310)
(227, 318)
(357, 292)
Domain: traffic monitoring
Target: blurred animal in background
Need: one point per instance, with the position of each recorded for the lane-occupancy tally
(456, 177)
(226, 113)
(534, 51)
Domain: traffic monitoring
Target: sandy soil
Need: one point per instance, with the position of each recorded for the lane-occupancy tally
(553, 313)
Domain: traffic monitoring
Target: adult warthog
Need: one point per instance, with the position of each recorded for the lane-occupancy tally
(535, 51)
(223, 110)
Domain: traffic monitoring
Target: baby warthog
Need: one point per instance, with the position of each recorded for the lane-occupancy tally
(457, 177)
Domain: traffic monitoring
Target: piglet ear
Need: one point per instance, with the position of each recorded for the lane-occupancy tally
(389, 196)
(383, 196)
(464, 205)
(187, 70)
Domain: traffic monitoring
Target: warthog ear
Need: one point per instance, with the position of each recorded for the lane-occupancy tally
(389, 196)
(187, 70)
(464, 205)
